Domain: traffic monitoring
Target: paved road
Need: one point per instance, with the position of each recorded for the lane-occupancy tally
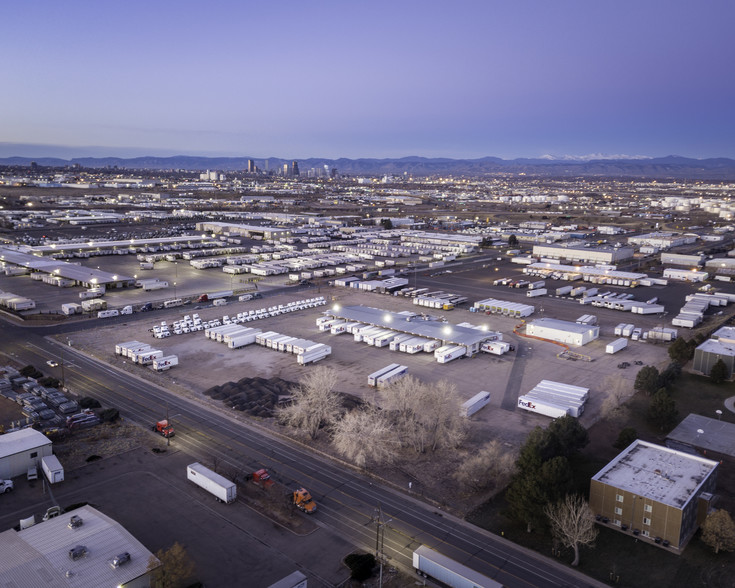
(347, 500)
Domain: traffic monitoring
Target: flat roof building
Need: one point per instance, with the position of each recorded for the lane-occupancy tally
(704, 435)
(563, 331)
(20, 450)
(414, 324)
(39, 555)
(603, 254)
(655, 493)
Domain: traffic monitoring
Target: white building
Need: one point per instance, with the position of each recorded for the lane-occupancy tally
(39, 555)
(563, 331)
(584, 254)
(685, 275)
(21, 450)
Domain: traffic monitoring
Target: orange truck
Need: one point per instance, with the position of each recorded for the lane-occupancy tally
(303, 501)
(164, 428)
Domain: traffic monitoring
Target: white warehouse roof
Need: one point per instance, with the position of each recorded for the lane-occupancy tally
(23, 440)
(39, 555)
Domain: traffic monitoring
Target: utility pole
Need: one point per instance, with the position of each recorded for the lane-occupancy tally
(380, 539)
(63, 383)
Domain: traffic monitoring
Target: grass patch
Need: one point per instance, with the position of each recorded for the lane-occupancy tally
(617, 559)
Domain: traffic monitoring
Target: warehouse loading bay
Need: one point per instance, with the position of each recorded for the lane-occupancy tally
(506, 377)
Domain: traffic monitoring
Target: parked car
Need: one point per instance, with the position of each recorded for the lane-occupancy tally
(6, 486)
(120, 559)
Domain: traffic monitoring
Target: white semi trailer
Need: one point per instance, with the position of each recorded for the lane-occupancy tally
(222, 489)
(432, 564)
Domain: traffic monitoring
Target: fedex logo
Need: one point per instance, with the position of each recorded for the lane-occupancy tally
(527, 404)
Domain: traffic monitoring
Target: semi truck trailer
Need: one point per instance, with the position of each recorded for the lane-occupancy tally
(432, 564)
(219, 486)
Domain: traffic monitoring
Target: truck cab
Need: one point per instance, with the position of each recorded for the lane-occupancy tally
(303, 501)
(164, 428)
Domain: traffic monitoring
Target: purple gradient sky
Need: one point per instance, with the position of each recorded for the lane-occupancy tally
(350, 78)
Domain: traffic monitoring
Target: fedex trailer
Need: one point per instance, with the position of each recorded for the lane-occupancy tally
(546, 408)
(448, 353)
(372, 378)
(475, 403)
(388, 378)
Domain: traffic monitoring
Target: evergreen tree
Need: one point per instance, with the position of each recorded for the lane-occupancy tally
(719, 372)
(647, 379)
(662, 410)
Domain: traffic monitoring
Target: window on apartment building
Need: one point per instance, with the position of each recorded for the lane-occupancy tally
(646, 521)
(618, 510)
(619, 497)
(645, 533)
(648, 508)
(617, 522)
(34, 454)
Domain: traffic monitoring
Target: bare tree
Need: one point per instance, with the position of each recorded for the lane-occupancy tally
(718, 531)
(314, 403)
(618, 390)
(490, 468)
(365, 435)
(171, 568)
(572, 523)
(426, 415)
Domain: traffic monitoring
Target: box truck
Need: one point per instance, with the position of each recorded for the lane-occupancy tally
(52, 469)
(222, 489)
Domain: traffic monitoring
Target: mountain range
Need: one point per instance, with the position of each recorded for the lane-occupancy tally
(673, 167)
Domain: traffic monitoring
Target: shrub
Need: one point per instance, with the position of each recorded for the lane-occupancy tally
(49, 382)
(92, 458)
(361, 565)
(109, 415)
(30, 372)
(88, 402)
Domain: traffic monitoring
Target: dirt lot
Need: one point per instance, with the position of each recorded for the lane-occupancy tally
(204, 363)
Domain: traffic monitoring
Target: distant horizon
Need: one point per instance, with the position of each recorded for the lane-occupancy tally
(69, 152)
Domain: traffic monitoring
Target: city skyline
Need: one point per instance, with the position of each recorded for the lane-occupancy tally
(375, 81)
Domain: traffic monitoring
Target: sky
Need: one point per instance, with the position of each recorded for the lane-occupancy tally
(354, 78)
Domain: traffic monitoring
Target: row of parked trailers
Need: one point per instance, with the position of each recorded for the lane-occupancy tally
(237, 336)
(395, 341)
(144, 354)
(555, 399)
(512, 309)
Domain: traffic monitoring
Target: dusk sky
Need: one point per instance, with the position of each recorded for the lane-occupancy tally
(350, 78)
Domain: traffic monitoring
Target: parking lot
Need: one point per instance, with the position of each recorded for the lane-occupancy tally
(149, 495)
(203, 363)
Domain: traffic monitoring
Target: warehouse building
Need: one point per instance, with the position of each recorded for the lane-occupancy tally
(682, 260)
(257, 231)
(662, 240)
(685, 275)
(705, 436)
(720, 346)
(22, 450)
(41, 554)
(654, 493)
(604, 254)
(414, 324)
(563, 331)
